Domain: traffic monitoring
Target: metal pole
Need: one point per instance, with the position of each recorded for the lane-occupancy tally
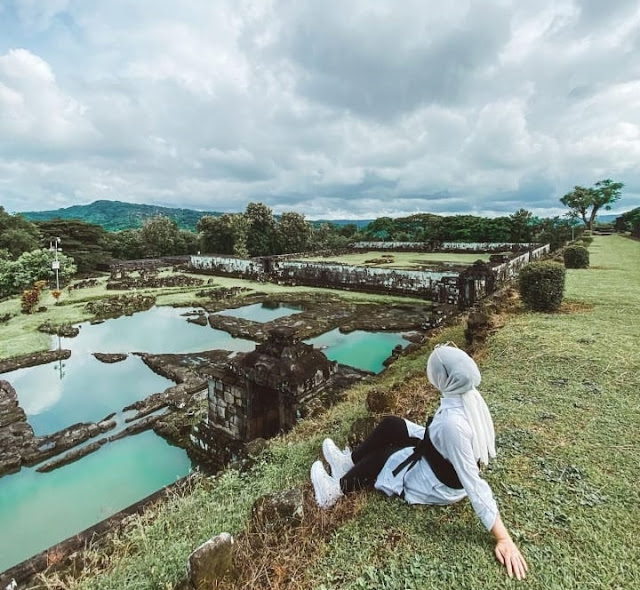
(53, 245)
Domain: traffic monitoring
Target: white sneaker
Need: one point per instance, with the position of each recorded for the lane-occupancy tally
(339, 461)
(326, 488)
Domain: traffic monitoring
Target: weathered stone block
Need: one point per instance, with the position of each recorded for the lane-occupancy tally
(275, 511)
(381, 400)
(228, 397)
(256, 446)
(360, 429)
(10, 463)
(211, 562)
(478, 327)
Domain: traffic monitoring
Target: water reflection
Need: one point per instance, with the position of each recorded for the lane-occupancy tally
(38, 510)
(42, 509)
(160, 330)
(363, 350)
(89, 391)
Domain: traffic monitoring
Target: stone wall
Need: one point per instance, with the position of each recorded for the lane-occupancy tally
(227, 407)
(245, 268)
(461, 289)
(428, 284)
(509, 270)
(342, 276)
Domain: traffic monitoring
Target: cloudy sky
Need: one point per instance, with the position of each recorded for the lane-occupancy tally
(334, 108)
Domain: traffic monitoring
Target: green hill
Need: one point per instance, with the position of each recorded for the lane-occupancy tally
(116, 215)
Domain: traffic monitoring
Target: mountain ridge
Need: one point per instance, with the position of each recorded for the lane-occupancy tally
(119, 215)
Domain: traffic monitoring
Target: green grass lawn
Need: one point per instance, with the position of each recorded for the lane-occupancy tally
(563, 390)
(407, 260)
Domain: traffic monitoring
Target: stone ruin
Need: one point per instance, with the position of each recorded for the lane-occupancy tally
(258, 393)
(451, 287)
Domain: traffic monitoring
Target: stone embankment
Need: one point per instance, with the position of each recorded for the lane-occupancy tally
(20, 447)
(109, 358)
(64, 330)
(32, 360)
(15, 433)
(154, 282)
(113, 307)
(323, 313)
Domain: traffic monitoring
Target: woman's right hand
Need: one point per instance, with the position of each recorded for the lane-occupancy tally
(510, 557)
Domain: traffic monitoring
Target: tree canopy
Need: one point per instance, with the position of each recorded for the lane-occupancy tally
(88, 244)
(584, 203)
(20, 274)
(17, 235)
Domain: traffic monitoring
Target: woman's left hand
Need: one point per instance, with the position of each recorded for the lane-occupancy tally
(511, 558)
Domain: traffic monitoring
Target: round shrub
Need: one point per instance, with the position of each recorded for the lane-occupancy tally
(541, 285)
(586, 240)
(576, 257)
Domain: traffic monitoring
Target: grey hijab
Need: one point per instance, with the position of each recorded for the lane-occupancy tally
(454, 373)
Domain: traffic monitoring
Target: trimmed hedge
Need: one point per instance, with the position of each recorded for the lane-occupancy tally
(586, 240)
(541, 285)
(576, 257)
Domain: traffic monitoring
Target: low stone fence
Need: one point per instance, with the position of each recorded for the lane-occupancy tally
(233, 266)
(439, 246)
(509, 270)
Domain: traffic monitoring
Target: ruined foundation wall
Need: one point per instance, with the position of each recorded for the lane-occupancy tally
(243, 268)
(509, 270)
(461, 289)
(406, 282)
(438, 246)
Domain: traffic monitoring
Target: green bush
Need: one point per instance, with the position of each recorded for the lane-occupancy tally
(587, 240)
(576, 257)
(541, 285)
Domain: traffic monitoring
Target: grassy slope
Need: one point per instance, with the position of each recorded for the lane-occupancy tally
(563, 390)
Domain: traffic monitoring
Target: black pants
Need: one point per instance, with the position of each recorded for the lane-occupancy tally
(369, 458)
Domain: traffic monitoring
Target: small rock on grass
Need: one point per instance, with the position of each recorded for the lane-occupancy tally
(210, 563)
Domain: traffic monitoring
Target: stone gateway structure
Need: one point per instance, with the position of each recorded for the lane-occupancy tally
(257, 394)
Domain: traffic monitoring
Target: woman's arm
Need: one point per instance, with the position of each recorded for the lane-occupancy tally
(456, 444)
(507, 552)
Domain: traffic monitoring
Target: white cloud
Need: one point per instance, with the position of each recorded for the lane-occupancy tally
(35, 112)
(333, 109)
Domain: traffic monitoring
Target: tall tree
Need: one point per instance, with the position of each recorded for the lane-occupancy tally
(294, 233)
(159, 235)
(521, 226)
(262, 235)
(382, 228)
(17, 235)
(86, 243)
(126, 244)
(629, 221)
(226, 234)
(586, 202)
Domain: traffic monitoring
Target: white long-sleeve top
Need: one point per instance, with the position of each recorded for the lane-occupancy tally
(451, 435)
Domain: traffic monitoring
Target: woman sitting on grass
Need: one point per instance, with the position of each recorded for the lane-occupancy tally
(441, 468)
